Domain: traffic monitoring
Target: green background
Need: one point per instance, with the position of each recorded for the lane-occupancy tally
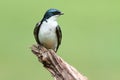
(91, 38)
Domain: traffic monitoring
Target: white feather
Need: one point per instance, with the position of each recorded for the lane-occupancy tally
(47, 33)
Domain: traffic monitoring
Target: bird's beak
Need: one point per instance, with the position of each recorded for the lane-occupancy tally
(61, 13)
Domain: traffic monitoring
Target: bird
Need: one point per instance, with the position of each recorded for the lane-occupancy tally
(47, 32)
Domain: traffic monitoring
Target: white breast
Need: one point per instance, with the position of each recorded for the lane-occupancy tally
(47, 34)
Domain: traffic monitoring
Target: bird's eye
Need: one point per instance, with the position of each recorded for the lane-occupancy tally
(56, 13)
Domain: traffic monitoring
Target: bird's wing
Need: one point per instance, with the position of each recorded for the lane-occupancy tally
(36, 31)
(59, 36)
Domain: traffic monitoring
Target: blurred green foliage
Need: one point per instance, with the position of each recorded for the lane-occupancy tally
(91, 38)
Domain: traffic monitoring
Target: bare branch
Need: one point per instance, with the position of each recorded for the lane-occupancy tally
(60, 69)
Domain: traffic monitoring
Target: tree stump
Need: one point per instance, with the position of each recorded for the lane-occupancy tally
(60, 69)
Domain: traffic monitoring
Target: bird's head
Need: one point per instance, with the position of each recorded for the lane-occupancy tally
(53, 14)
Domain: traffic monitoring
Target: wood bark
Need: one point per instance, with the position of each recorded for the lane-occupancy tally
(60, 69)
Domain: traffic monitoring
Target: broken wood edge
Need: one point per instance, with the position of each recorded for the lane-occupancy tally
(60, 69)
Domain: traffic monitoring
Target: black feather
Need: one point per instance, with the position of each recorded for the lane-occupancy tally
(36, 31)
(59, 36)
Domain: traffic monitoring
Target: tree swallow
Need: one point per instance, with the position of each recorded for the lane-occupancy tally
(47, 32)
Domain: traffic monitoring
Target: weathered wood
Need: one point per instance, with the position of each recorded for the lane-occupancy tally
(60, 69)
